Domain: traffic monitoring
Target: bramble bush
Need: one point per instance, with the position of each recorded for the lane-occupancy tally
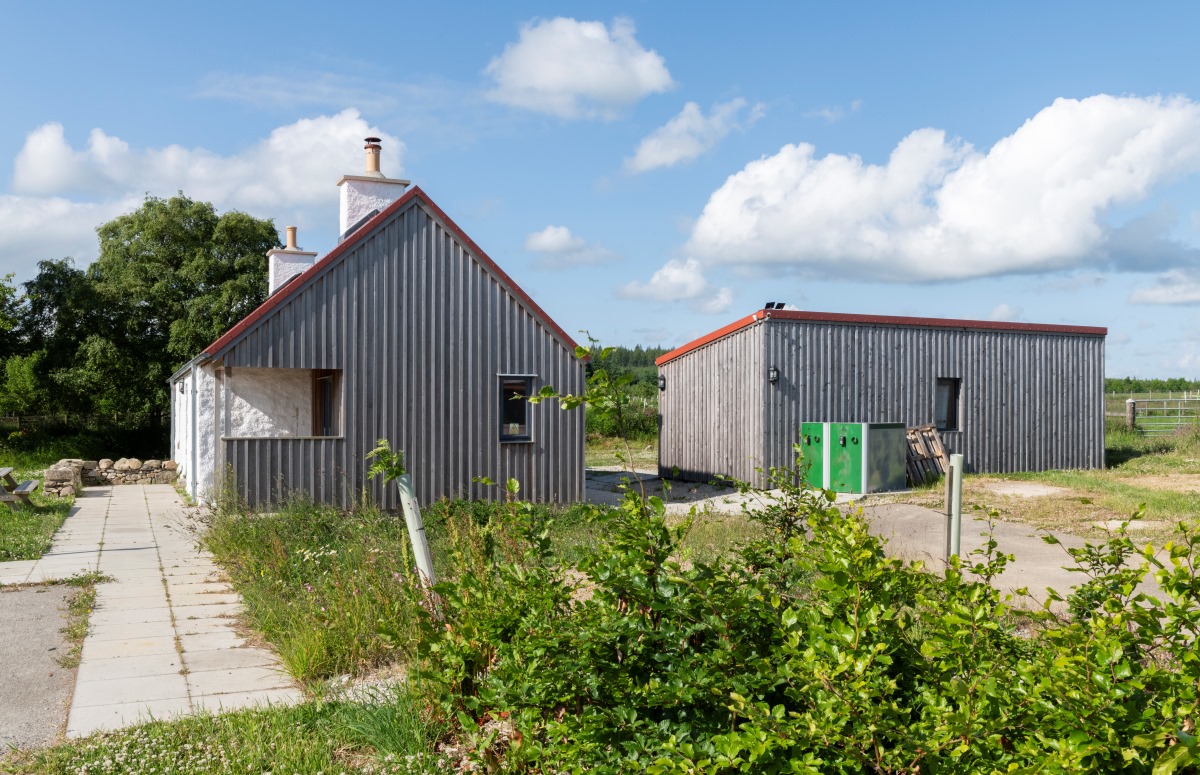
(808, 651)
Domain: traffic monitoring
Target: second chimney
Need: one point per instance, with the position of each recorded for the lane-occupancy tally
(285, 264)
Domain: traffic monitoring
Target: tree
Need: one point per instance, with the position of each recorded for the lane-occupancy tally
(172, 277)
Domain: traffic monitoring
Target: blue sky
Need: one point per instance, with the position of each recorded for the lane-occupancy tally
(652, 171)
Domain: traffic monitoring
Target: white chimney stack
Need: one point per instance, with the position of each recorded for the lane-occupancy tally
(285, 264)
(362, 195)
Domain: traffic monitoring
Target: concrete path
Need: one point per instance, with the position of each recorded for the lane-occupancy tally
(162, 640)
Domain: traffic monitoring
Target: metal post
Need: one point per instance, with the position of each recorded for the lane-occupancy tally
(955, 532)
(416, 529)
(1130, 414)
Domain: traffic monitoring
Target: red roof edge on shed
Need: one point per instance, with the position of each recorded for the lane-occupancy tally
(879, 320)
(293, 285)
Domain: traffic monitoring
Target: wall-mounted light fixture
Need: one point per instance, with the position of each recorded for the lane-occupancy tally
(180, 388)
(662, 382)
(773, 375)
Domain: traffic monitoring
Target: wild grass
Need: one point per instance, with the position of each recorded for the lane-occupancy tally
(79, 611)
(317, 582)
(321, 584)
(607, 451)
(1162, 472)
(390, 735)
(26, 531)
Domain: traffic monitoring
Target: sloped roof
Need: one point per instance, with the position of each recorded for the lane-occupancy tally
(875, 320)
(293, 286)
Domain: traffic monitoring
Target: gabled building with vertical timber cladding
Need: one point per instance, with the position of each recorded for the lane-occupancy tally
(1008, 396)
(406, 331)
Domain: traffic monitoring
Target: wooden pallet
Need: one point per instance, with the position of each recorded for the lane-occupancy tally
(927, 459)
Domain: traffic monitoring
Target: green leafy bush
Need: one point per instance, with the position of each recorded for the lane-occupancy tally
(806, 651)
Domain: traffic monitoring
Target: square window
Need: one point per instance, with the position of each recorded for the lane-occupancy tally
(514, 407)
(946, 404)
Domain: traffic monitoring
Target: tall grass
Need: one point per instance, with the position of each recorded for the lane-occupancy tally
(317, 582)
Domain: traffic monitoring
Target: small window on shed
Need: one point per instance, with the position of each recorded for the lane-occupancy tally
(514, 407)
(327, 402)
(946, 404)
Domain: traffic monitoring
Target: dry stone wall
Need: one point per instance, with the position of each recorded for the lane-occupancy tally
(66, 476)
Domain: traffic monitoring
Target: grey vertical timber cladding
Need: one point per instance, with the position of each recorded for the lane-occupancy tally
(421, 329)
(711, 410)
(1029, 401)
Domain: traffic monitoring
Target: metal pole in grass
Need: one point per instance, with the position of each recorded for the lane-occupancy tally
(955, 532)
(389, 463)
(416, 528)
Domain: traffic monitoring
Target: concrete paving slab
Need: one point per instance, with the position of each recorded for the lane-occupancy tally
(132, 617)
(133, 603)
(102, 632)
(130, 667)
(228, 659)
(203, 626)
(207, 611)
(207, 641)
(185, 601)
(87, 721)
(238, 679)
(119, 691)
(198, 589)
(128, 647)
(241, 700)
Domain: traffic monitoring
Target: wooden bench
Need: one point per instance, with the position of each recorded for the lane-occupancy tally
(13, 493)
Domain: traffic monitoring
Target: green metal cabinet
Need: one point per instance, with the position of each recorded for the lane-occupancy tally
(812, 450)
(854, 457)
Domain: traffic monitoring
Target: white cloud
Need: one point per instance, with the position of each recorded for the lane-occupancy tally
(941, 210)
(834, 113)
(36, 228)
(571, 68)
(1004, 312)
(62, 193)
(680, 281)
(690, 134)
(1179, 286)
(559, 249)
(295, 165)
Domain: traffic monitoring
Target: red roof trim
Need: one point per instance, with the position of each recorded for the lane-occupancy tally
(737, 325)
(293, 286)
(884, 320)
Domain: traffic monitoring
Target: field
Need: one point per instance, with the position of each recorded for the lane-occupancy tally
(1161, 472)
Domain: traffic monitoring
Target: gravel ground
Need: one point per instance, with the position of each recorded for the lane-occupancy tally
(35, 690)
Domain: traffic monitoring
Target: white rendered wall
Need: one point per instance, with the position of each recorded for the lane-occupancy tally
(181, 424)
(283, 265)
(266, 403)
(360, 197)
(204, 445)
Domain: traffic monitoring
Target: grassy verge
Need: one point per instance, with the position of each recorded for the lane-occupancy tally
(319, 583)
(1161, 472)
(390, 734)
(79, 611)
(26, 532)
(605, 451)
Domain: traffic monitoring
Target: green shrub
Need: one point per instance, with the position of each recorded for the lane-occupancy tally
(806, 651)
